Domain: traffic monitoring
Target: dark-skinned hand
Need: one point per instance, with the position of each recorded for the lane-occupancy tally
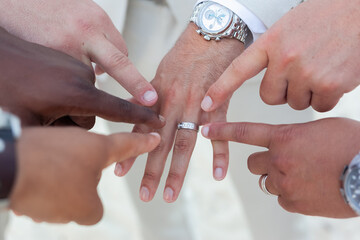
(45, 87)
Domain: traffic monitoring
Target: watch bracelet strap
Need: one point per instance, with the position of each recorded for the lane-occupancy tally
(7, 163)
(240, 32)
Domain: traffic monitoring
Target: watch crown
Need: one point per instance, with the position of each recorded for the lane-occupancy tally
(217, 39)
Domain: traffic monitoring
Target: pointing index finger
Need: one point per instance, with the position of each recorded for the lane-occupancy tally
(94, 102)
(117, 65)
(247, 65)
(257, 134)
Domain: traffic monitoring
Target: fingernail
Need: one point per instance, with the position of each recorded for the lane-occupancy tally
(161, 118)
(144, 194)
(218, 174)
(150, 96)
(118, 170)
(205, 131)
(155, 134)
(206, 103)
(168, 194)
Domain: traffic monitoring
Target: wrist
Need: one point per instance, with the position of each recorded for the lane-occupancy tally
(191, 40)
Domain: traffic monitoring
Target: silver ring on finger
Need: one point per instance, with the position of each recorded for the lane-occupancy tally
(188, 126)
(263, 184)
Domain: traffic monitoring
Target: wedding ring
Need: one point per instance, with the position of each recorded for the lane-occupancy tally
(188, 126)
(263, 184)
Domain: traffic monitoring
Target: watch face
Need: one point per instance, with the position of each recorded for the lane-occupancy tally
(214, 18)
(352, 187)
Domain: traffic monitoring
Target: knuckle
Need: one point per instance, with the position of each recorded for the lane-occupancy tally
(175, 176)
(286, 188)
(321, 107)
(250, 163)
(296, 105)
(151, 176)
(307, 73)
(267, 96)
(116, 60)
(221, 157)
(161, 147)
(148, 116)
(101, 16)
(241, 132)
(288, 56)
(327, 87)
(125, 107)
(125, 50)
(284, 133)
(65, 43)
(235, 66)
(85, 27)
(139, 129)
(287, 205)
(182, 144)
(274, 35)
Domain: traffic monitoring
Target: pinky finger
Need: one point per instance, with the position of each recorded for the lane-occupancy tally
(324, 104)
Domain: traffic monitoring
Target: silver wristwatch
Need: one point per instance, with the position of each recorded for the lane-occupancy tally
(350, 184)
(216, 22)
(10, 130)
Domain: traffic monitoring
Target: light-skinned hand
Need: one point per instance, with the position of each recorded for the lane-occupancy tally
(58, 170)
(312, 56)
(304, 162)
(182, 79)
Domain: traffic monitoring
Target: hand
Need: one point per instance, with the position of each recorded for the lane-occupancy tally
(59, 170)
(312, 61)
(182, 79)
(81, 29)
(46, 87)
(304, 162)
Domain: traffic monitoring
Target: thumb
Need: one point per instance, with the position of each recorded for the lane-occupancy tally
(123, 146)
(247, 65)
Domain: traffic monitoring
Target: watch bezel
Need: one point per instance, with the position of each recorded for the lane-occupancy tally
(203, 28)
(345, 187)
(236, 28)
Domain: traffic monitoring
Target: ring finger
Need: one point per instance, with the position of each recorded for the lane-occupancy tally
(183, 148)
(266, 181)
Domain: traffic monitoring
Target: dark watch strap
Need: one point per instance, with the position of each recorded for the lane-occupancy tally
(7, 163)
